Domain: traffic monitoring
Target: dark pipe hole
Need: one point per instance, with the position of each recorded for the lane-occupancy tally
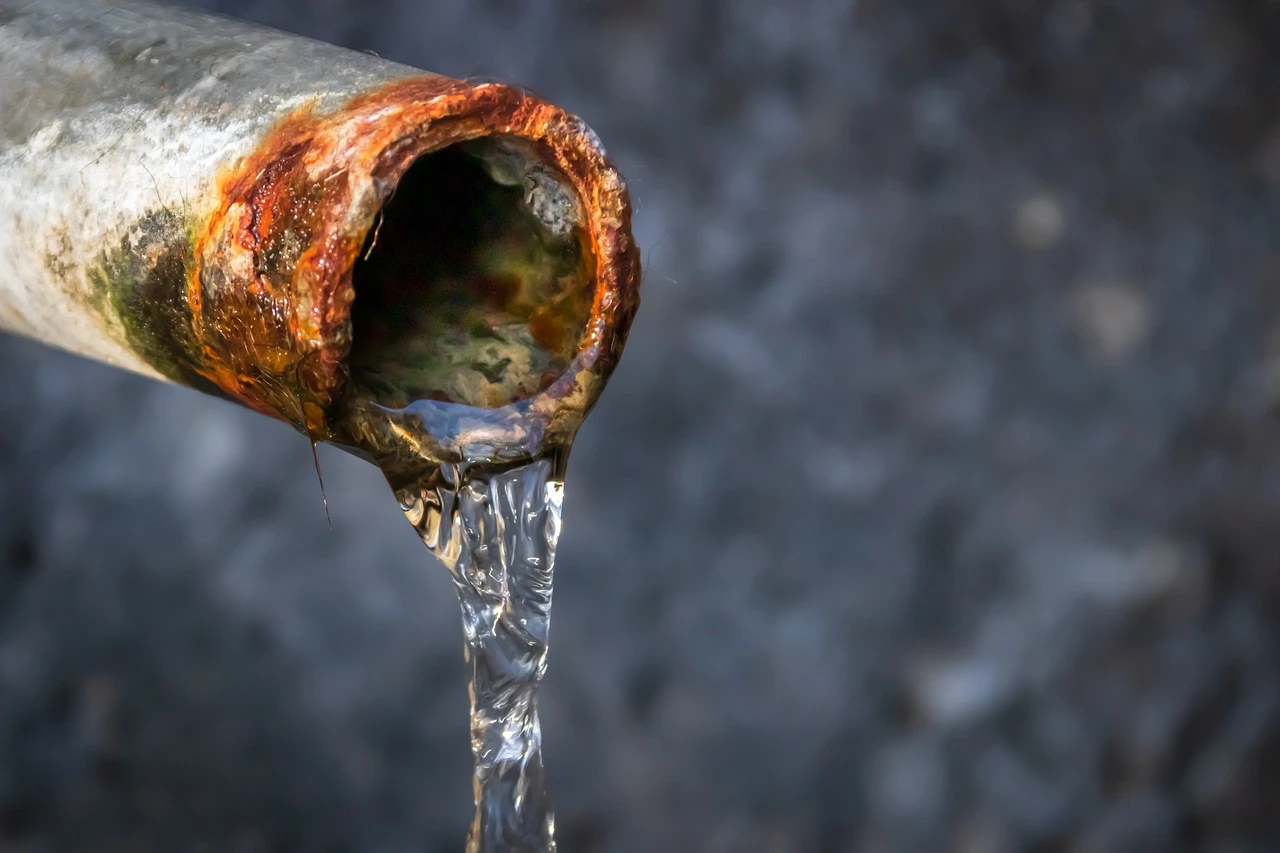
(466, 290)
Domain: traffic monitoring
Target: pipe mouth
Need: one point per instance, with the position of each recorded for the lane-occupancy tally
(497, 312)
(475, 284)
(434, 271)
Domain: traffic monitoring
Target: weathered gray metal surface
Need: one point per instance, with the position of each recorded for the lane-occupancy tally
(110, 113)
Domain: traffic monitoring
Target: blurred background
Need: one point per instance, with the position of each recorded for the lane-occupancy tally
(935, 505)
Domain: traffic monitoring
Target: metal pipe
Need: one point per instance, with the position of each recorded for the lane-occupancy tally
(201, 201)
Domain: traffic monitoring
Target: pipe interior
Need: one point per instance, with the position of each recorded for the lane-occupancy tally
(475, 282)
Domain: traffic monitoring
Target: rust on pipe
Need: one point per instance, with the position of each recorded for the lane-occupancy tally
(413, 266)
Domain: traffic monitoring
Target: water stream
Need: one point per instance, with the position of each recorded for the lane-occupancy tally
(496, 531)
(473, 297)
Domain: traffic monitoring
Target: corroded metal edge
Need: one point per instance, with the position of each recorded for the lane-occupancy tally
(269, 287)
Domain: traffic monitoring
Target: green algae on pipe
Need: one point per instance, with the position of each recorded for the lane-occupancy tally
(414, 266)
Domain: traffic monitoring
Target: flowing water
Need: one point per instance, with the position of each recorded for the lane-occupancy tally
(496, 531)
(473, 297)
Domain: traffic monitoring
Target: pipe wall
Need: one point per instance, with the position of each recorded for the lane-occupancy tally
(184, 196)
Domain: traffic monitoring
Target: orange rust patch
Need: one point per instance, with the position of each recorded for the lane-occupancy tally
(269, 285)
(547, 329)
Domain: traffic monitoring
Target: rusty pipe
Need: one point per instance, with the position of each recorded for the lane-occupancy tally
(410, 265)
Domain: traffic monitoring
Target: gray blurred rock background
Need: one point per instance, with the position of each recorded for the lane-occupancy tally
(935, 505)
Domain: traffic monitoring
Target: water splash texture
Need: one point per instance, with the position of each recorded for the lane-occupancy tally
(497, 533)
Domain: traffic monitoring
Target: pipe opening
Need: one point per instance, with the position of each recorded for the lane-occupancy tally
(476, 281)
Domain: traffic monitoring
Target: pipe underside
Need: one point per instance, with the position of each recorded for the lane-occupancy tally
(395, 261)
